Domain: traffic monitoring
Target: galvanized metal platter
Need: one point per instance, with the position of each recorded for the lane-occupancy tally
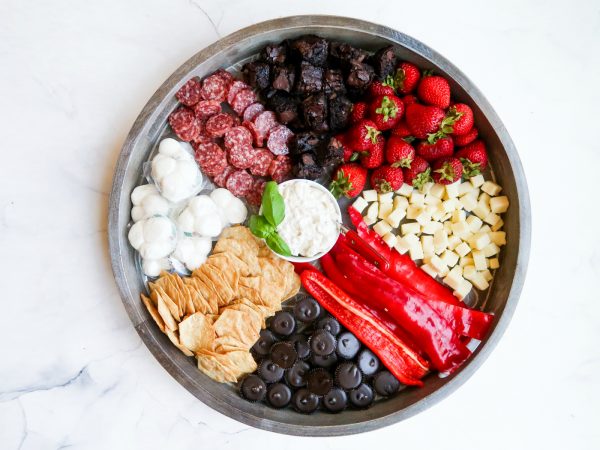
(151, 124)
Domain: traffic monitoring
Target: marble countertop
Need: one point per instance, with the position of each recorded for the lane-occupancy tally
(73, 77)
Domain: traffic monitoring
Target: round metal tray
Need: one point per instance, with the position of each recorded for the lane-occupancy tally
(151, 125)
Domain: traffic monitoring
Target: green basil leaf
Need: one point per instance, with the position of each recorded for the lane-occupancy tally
(273, 207)
(260, 227)
(278, 245)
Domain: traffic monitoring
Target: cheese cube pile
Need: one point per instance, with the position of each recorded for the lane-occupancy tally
(454, 230)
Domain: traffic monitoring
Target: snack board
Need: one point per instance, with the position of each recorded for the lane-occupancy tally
(304, 166)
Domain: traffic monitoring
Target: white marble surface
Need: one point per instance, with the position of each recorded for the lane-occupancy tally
(74, 75)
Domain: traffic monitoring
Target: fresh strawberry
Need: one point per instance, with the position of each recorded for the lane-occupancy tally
(348, 180)
(423, 120)
(465, 139)
(385, 87)
(418, 173)
(434, 90)
(398, 152)
(447, 170)
(441, 148)
(363, 135)
(349, 153)
(465, 120)
(446, 126)
(401, 130)
(407, 77)
(409, 100)
(374, 156)
(473, 158)
(387, 179)
(359, 112)
(386, 111)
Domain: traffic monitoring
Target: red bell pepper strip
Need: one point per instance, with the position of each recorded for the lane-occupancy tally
(351, 287)
(392, 352)
(300, 267)
(402, 268)
(462, 320)
(430, 331)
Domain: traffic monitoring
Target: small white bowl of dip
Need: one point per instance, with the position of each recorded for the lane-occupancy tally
(312, 220)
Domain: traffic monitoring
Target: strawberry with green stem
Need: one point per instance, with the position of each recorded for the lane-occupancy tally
(348, 180)
(418, 173)
(434, 90)
(386, 111)
(363, 135)
(407, 77)
(374, 156)
(387, 179)
(441, 148)
(447, 170)
(399, 152)
(385, 87)
(473, 157)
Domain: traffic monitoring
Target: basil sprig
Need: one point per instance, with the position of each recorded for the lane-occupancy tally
(265, 226)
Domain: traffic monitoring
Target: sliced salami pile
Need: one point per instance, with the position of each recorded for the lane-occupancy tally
(238, 143)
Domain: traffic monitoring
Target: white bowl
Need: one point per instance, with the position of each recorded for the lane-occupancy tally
(339, 220)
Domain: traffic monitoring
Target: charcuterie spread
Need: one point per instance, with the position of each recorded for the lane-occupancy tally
(313, 227)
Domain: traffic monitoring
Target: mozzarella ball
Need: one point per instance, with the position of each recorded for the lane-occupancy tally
(158, 229)
(208, 225)
(136, 235)
(186, 221)
(155, 205)
(138, 213)
(141, 192)
(201, 205)
(170, 147)
(157, 250)
(153, 267)
(237, 211)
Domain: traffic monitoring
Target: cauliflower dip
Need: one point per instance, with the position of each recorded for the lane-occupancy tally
(311, 222)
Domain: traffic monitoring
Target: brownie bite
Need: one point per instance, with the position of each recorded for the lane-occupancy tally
(314, 110)
(310, 48)
(257, 74)
(283, 77)
(384, 61)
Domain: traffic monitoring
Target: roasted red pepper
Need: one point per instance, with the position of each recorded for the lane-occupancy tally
(430, 331)
(300, 267)
(462, 320)
(394, 354)
(402, 268)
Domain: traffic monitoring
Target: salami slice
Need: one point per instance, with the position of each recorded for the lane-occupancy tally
(200, 141)
(252, 111)
(261, 163)
(214, 88)
(263, 124)
(217, 125)
(221, 178)
(207, 108)
(254, 197)
(242, 157)
(281, 168)
(184, 123)
(225, 76)
(189, 93)
(242, 100)
(237, 137)
(212, 159)
(235, 87)
(239, 183)
(278, 140)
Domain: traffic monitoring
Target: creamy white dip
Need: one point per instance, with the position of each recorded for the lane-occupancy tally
(311, 219)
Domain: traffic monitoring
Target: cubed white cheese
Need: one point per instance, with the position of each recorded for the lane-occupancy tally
(402, 246)
(384, 210)
(370, 195)
(453, 242)
(477, 180)
(427, 244)
(465, 261)
(405, 189)
(475, 223)
(479, 240)
(499, 205)
(426, 187)
(498, 225)
(431, 227)
(494, 263)
(448, 227)
(431, 209)
(360, 204)
(479, 281)
(450, 205)
(438, 264)
(388, 197)
(400, 202)
(465, 188)
(410, 228)
(492, 218)
(463, 290)
(373, 210)
(479, 260)
(432, 200)
(487, 275)
(416, 251)
(413, 211)
(450, 258)
(382, 228)
(485, 229)
(439, 213)
(461, 229)
(411, 240)
(390, 239)
(440, 241)
(469, 271)
(416, 198)
(491, 188)
(429, 270)
(468, 202)
(424, 217)
(458, 216)
(463, 249)
(485, 198)
(481, 210)
(498, 237)
(454, 278)
(491, 250)
(437, 190)
(452, 189)
(369, 221)
(395, 217)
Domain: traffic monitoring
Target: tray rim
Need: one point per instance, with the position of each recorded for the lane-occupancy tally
(299, 22)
